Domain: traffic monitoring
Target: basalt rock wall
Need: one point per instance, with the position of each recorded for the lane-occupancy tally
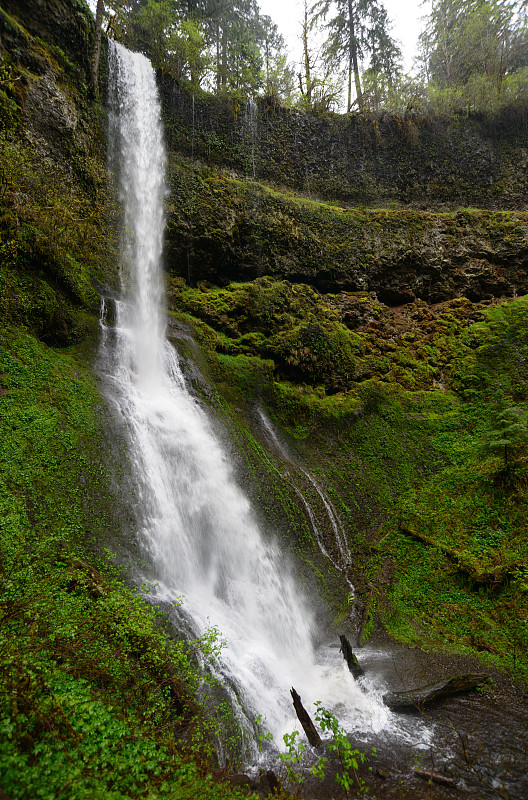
(423, 162)
(222, 229)
(66, 25)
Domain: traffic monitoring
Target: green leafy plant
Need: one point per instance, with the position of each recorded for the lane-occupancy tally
(262, 736)
(349, 757)
(292, 758)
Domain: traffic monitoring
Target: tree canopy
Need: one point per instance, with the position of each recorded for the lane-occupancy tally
(473, 53)
(209, 44)
(359, 29)
(471, 47)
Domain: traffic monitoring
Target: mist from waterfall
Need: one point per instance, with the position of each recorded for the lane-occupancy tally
(197, 528)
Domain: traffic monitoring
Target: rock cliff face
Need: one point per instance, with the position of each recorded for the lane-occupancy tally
(65, 25)
(423, 162)
(48, 46)
(53, 209)
(222, 229)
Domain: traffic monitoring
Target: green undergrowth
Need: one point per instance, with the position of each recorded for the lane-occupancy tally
(462, 535)
(402, 420)
(96, 699)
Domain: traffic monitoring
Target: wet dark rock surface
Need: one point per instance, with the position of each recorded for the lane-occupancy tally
(372, 159)
(479, 739)
(65, 24)
(221, 229)
(467, 746)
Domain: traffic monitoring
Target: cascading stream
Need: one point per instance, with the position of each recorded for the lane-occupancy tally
(196, 527)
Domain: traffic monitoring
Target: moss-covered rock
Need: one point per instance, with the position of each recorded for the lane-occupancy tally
(66, 26)
(221, 229)
(54, 199)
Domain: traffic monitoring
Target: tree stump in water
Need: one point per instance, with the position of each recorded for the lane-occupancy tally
(418, 698)
(353, 664)
(304, 718)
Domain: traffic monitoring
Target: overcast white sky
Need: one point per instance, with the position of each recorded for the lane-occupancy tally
(405, 14)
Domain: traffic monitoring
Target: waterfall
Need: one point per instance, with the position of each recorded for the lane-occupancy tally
(196, 527)
(251, 122)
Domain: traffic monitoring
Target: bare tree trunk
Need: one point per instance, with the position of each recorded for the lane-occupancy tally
(354, 58)
(306, 53)
(305, 720)
(267, 51)
(349, 99)
(218, 67)
(223, 73)
(352, 663)
(97, 46)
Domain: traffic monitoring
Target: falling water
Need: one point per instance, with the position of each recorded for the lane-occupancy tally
(339, 538)
(196, 527)
(251, 127)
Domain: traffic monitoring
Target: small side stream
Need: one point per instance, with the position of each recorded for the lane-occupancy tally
(479, 740)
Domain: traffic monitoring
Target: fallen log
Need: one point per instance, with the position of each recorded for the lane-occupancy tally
(305, 720)
(353, 664)
(425, 695)
(435, 777)
(483, 576)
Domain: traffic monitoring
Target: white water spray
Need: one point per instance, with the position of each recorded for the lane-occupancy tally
(251, 122)
(196, 526)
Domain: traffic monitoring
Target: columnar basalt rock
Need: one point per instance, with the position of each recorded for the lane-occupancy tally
(372, 159)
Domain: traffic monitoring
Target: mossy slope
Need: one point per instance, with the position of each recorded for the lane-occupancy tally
(395, 415)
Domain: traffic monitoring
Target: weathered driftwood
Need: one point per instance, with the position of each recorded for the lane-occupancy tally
(435, 777)
(418, 698)
(304, 718)
(353, 664)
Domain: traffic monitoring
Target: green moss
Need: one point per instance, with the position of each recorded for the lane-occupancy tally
(53, 245)
(392, 450)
